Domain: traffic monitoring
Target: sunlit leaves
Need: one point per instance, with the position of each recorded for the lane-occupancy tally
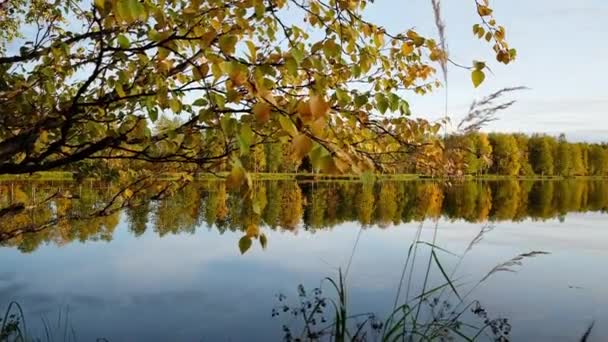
(100, 4)
(246, 138)
(326, 84)
(288, 126)
(407, 49)
(129, 10)
(483, 10)
(123, 42)
(477, 75)
(262, 111)
(301, 145)
(491, 32)
(228, 44)
(381, 102)
(318, 106)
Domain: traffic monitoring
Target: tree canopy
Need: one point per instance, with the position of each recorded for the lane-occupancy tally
(87, 81)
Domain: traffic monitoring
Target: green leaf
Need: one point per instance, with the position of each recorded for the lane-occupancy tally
(360, 100)
(297, 54)
(200, 102)
(123, 11)
(263, 241)
(176, 105)
(404, 108)
(477, 76)
(228, 124)
(244, 244)
(393, 100)
(137, 10)
(153, 114)
(236, 177)
(245, 139)
(123, 41)
(253, 50)
(227, 44)
(342, 96)
(100, 4)
(316, 156)
(119, 90)
(381, 103)
(292, 66)
(288, 126)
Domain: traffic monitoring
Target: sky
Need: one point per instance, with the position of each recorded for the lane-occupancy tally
(561, 47)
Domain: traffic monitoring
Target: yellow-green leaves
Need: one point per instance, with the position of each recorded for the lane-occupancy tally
(315, 85)
(253, 51)
(379, 39)
(123, 41)
(244, 244)
(318, 106)
(200, 72)
(263, 241)
(493, 33)
(228, 44)
(288, 126)
(301, 145)
(246, 139)
(381, 102)
(477, 76)
(483, 10)
(129, 10)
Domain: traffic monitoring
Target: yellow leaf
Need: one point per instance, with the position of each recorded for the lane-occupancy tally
(341, 165)
(318, 106)
(301, 145)
(484, 10)
(252, 230)
(379, 39)
(262, 110)
(238, 77)
(304, 111)
(477, 76)
(407, 49)
(128, 193)
(318, 127)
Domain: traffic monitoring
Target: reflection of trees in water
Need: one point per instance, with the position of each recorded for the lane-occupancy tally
(291, 206)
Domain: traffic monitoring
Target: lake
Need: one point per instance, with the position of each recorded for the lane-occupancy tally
(205, 265)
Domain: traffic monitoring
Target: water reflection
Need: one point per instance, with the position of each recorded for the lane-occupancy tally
(291, 206)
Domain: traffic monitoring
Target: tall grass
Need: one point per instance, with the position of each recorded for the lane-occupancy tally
(438, 312)
(13, 327)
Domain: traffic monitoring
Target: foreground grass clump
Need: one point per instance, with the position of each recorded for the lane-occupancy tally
(439, 311)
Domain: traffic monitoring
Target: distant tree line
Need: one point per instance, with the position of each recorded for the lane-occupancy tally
(517, 154)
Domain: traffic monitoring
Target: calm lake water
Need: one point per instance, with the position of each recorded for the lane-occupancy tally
(173, 270)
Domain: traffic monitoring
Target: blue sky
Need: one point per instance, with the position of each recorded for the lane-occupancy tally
(561, 56)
